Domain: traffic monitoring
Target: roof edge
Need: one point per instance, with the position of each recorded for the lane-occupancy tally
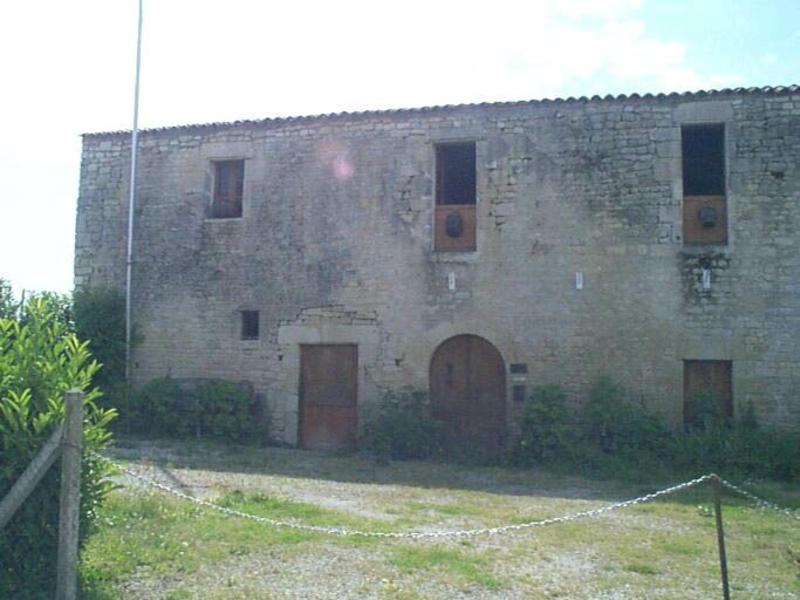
(700, 94)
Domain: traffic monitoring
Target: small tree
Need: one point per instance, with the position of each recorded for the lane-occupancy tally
(40, 359)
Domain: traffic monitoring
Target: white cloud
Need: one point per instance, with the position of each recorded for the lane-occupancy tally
(202, 62)
(68, 69)
(603, 8)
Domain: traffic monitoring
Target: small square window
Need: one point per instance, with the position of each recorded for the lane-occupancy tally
(249, 324)
(228, 189)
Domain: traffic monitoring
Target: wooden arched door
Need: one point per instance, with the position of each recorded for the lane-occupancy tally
(468, 392)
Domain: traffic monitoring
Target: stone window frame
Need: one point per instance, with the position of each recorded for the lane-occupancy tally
(322, 330)
(705, 113)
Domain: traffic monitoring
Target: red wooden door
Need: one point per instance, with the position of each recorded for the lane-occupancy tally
(468, 392)
(328, 391)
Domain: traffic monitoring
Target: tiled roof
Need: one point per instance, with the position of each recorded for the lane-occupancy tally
(766, 90)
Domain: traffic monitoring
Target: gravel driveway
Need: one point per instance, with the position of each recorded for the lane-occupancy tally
(533, 563)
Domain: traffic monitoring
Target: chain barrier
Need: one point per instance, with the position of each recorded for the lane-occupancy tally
(416, 535)
(760, 502)
(411, 534)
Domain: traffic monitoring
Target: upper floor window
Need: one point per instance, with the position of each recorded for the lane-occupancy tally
(455, 173)
(705, 214)
(455, 196)
(228, 189)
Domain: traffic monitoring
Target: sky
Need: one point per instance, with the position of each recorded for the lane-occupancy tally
(67, 68)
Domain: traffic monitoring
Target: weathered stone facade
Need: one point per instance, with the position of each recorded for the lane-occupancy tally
(335, 245)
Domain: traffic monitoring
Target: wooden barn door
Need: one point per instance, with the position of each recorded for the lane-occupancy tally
(468, 392)
(704, 382)
(328, 391)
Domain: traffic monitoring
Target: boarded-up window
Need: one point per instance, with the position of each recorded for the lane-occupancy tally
(249, 324)
(228, 189)
(455, 197)
(707, 392)
(705, 214)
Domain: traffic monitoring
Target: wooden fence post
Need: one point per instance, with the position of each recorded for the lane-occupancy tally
(723, 561)
(69, 513)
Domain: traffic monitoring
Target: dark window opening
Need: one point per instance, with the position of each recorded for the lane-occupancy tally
(705, 210)
(228, 189)
(518, 368)
(455, 197)
(703, 151)
(707, 393)
(249, 324)
(455, 173)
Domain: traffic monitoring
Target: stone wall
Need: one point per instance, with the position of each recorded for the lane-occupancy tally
(335, 245)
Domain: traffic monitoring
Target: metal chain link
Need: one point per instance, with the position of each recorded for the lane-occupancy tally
(416, 534)
(760, 502)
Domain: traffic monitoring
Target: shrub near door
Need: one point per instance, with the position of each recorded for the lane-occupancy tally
(214, 408)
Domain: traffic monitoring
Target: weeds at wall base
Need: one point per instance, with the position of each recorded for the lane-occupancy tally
(611, 437)
(213, 408)
(615, 438)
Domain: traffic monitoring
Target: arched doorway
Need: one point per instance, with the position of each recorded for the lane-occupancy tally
(468, 392)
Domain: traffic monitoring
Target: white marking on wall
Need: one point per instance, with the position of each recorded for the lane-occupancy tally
(705, 279)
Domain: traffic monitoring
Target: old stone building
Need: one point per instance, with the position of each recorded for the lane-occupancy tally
(473, 251)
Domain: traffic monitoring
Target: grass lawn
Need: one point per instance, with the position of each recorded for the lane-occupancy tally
(154, 545)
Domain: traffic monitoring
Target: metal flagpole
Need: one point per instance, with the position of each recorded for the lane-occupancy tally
(129, 261)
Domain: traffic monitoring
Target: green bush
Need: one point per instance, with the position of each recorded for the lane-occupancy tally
(739, 448)
(614, 424)
(99, 315)
(213, 408)
(154, 409)
(229, 411)
(399, 426)
(707, 413)
(40, 359)
(613, 436)
(546, 429)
